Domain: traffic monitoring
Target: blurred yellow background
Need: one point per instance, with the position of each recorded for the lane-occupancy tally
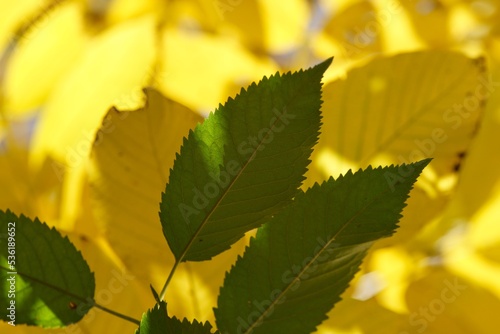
(410, 79)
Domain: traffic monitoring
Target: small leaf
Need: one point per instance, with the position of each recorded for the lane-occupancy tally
(300, 262)
(49, 276)
(155, 294)
(242, 164)
(157, 321)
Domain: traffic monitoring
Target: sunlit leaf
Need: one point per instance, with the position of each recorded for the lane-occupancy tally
(242, 164)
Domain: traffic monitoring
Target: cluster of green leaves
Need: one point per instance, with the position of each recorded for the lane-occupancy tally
(240, 169)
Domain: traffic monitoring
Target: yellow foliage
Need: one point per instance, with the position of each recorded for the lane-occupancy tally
(87, 138)
(30, 79)
(114, 65)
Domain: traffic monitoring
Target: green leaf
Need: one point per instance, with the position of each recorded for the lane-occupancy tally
(242, 164)
(52, 282)
(300, 262)
(157, 321)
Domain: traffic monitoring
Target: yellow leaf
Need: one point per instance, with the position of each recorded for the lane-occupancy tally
(386, 111)
(476, 195)
(114, 65)
(43, 57)
(130, 165)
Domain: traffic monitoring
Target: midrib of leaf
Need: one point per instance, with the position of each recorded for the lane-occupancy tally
(410, 122)
(225, 192)
(68, 293)
(156, 155)
(212, 210)
(297, 278)
(59, 289)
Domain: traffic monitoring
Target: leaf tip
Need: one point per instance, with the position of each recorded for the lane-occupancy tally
(323, 66)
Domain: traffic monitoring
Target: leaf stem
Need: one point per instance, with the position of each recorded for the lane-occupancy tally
(164, 289)
(117, 314)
